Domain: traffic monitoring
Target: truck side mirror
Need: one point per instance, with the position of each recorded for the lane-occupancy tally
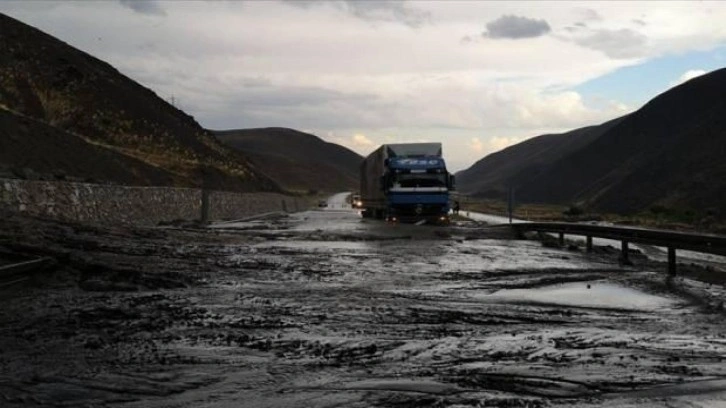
(452, 182)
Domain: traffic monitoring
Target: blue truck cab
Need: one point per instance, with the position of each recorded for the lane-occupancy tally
(406, 182)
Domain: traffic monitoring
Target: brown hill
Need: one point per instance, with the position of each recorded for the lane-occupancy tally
(296, 160)
(668, 153)
(30, 149)
(52, 82)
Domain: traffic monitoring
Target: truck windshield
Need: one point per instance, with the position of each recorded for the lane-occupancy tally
(419, 180)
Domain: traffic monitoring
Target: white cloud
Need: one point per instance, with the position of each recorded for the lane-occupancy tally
(687, 76)
(499, 143)
(386, 71)
(372, 10)
(361, 141)
(476, 145)
(619, 44)
(357, 142)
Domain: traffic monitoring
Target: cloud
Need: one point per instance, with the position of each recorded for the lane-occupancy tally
(589, 14)
(466, 39)
(516, 27)
(476, 145)
(143, 6)
(358, 142)
(361, 141)
(392, 10)
(478, 148)
(373, 10)
(618, 44)
(355, 68)
(498, 143)
(687, 76)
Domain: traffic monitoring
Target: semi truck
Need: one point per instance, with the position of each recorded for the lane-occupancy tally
(406, 182)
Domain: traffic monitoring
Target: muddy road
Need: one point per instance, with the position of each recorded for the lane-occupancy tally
(324, 309)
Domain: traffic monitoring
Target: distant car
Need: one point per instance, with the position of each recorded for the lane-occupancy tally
(322, 203)
(355, 201)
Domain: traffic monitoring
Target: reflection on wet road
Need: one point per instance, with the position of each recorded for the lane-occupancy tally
(324, 309)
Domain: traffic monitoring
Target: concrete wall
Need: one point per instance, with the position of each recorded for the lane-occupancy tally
(133, 205)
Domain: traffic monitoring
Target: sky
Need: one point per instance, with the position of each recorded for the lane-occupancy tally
(477, 76)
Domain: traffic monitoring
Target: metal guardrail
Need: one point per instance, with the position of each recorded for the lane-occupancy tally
(706, 243)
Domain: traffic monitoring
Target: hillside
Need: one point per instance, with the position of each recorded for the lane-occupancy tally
(29, 149)
(491, 176)
(670, 153)
(296, 160)
(89, 100)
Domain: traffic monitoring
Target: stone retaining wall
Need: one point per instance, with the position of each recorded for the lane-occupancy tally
(134, 205)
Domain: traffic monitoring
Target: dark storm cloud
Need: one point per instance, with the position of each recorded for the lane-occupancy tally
(516, 27)
(143, 6)
(373, 10)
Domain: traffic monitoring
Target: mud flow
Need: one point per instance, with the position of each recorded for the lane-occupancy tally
(325, 309)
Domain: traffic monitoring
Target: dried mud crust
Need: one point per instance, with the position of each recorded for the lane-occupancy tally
(349, 314)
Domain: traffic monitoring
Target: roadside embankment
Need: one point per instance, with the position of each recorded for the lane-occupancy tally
(99, 203)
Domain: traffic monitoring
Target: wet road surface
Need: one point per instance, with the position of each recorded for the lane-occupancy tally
(324, 309)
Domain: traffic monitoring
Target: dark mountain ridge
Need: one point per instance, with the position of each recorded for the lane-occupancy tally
(669, 152)
(297, 160)
(47, 80)
(516, 164)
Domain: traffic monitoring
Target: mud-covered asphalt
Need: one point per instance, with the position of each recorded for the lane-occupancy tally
(324, 309)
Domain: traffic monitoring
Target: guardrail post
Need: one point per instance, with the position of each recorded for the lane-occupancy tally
(562, 239)
(671, 261)
(624, 252)
(588, 243)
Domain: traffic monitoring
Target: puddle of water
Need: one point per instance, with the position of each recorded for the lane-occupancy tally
(585, 294)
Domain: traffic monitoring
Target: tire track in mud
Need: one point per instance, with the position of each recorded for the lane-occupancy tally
(362, 314)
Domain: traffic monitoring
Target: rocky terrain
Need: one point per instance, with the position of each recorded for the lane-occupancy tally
(324, 309)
